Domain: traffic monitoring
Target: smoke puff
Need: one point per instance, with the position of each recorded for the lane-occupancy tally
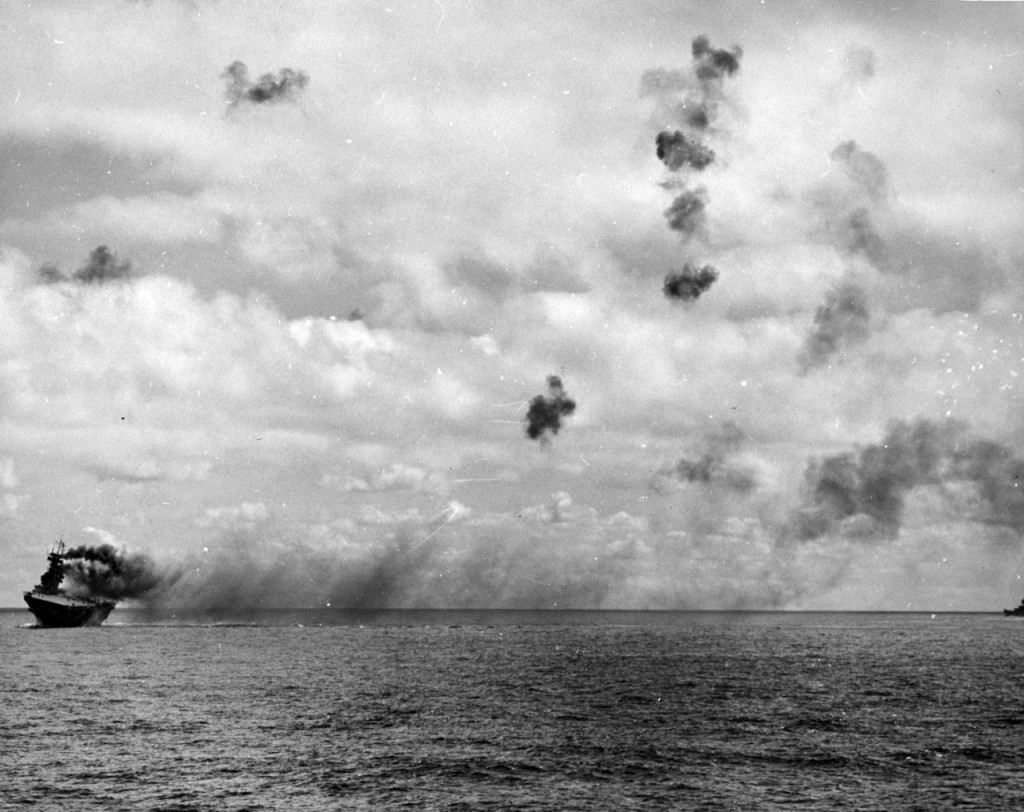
(676, 151)
(690, 282)
(686, 213)
(843, 320)
(700, 86)
(102, 266)
(714, 63)
(545, 413)
(284, 86)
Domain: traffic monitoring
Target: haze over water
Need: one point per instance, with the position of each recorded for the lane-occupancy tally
(515, 710)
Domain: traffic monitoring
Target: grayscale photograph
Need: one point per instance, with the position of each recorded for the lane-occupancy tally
(453, 405)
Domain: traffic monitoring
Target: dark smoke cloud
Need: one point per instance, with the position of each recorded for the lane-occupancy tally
(284, 86)
(863, 492)
(713, 467)
(102, 266)
(676, 151)
(686, 214)
(545, 413)
(104, 571)
(714, 63)
(690, 282)
(692, 95)
(841, 322)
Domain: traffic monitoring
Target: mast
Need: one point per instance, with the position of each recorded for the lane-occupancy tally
(49, 583)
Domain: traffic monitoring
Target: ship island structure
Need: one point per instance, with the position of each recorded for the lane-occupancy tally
(54, 607)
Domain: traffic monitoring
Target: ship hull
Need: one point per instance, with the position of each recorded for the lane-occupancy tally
(63, 611)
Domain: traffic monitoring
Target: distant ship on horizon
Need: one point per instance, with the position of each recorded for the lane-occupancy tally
(54, 607)
(1016, 612)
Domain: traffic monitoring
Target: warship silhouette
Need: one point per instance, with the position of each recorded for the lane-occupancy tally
(54, 607)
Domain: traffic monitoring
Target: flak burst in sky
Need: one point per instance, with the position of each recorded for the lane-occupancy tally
(654, 306)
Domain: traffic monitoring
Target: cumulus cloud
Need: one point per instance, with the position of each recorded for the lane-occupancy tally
(396, 477)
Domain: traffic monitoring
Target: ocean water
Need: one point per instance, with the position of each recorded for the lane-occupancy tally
(325, 710)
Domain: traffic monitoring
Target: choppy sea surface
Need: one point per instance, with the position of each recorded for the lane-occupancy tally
(323, 710)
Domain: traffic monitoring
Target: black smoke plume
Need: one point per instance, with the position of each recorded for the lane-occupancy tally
(841, 322)
(686, 214)
(690, 282)
(104, 571)
(283, 86)
(676, 151)
(871, 485)
(546, 412)
(103, 266)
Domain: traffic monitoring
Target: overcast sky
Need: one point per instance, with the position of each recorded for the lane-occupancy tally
(357, 256)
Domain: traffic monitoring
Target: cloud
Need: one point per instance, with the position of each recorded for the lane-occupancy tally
(248, 514)
(397, 477)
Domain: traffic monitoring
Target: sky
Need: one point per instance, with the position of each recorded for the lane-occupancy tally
(281, 282)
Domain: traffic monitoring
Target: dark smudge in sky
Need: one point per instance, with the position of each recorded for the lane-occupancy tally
(545, 413)
(285, 85)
